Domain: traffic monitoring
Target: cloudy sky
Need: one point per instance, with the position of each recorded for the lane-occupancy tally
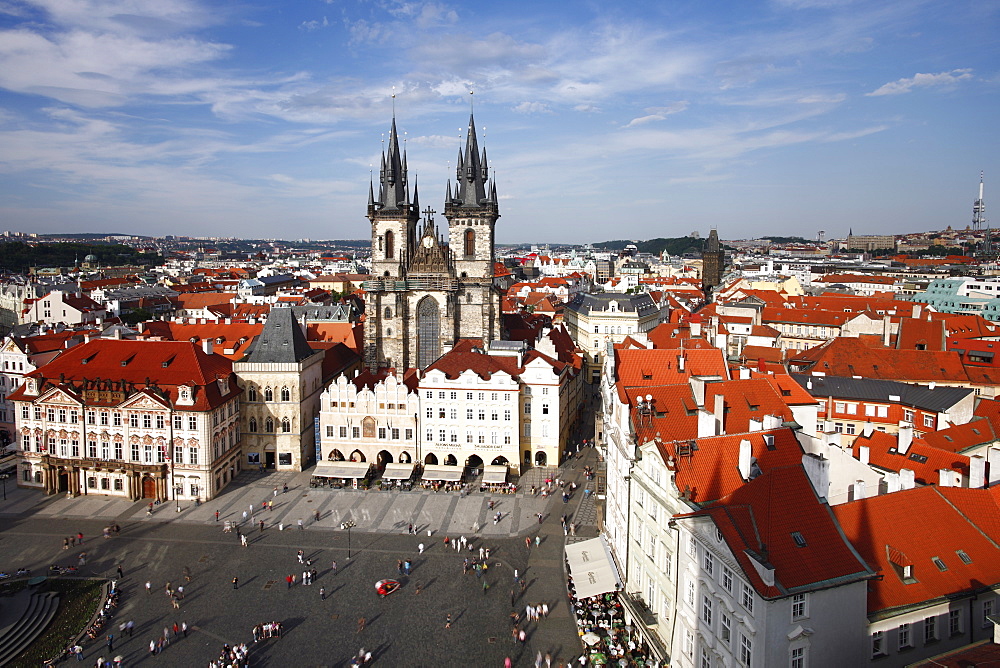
(602, 120)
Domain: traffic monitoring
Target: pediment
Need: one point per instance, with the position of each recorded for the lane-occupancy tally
(58, 397)
(143, 401)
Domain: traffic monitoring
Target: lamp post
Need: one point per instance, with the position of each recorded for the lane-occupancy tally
(348, 525)
(3, 479)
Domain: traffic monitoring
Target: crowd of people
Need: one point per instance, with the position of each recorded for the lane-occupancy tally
(266, 630)
(231, 656)
(607, 638)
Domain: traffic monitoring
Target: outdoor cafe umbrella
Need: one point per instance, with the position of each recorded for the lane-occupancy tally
(590, 638)
(599, 659)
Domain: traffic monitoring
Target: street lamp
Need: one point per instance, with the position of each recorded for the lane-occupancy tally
(348, 525)
(3, 479)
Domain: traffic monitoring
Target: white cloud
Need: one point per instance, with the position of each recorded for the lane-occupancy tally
(920, 80)
(531, 108)
(658, 113)
(315, 24)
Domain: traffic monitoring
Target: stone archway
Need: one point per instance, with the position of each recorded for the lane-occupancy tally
(541, 458)
(383, 458)
(335, 456)
(405, 458)
(451, 460)
(431, 459)
(474, 462)
(358, 456)
(500, 461)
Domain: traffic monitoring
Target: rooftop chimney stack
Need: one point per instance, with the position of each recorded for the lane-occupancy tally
(744, 463)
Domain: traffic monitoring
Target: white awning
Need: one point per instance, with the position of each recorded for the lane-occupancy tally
(397, 472)
(341, 469)
(442, 472)
(592, 567)
(495, 474)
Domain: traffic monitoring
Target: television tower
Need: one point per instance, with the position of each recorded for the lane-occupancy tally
(979, 209)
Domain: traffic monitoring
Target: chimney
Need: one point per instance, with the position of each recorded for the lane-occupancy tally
(867, 430)
(755, 425)
(744, 463)
(818, 470)
(906, 479)
(772, 422)
(720, 415)
(698, 390)
(945, 478)
(916, 311)
(886, 330)
(977, 472)
(695, 329)
(744, 373)
(859, 490)
(706, 423)
(207, 345)
(680, 363)
(891, 482)
(904, 438)
(864, 454)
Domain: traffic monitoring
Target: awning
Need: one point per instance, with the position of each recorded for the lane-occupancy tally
(442, 472)
(341, 469)
(495, 474)
(397, 472)
(592, 568)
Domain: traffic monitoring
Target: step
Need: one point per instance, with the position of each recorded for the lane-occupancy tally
(45, 608)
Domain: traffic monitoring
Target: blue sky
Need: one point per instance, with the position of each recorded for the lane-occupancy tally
(601, 120)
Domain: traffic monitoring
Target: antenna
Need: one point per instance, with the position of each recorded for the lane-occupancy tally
(393, 101)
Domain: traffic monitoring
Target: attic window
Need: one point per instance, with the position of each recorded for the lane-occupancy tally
(947, 437)
(940, 564)
(755, 407)
(800, 540)
(975, 431)
(966, 559)
(786, 393)
(922, 459)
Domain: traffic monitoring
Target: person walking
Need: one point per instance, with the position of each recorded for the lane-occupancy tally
(121, 572)
(361, 624)
(399, 566)
(407, 565)
(316, 515)
(184, 629)
(284, 488)
(243, 539)
(236, 582)
(420, 548)
(300, 524)
(333, 568)
(447, 622)
(111, 643)
(289, 579)
(262, 526)
(322, 593)
(149, 587)
(301, 556)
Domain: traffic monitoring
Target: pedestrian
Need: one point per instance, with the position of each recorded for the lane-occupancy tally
(538, 540)
(184, 629)
(399, 566)
(251, 510)
(236, 582)
(300, 524)
(262, 526)
(333, 568)
(512, 597)
(177, 629)
(420, 548)
(409, 529)
(152, 648)
(482, 553)
(305, 578)
(322, 593)
(284, 488)
(527, 543)
(216, 515)
(149, 586)
(316, 515)
(407, 565)
(539, 515)
(79, 538)
(121, 572)
(447, 622)
(244, 516)
(187, 574)
(301, 554)
(270, 506)
(485, 587)
(417, 590)
(289, 579)
(361, 624)
(243, 540)
(166, 635)
(111, 643)
(522, 636)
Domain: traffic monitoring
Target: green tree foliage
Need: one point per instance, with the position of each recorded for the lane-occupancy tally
(17, 256)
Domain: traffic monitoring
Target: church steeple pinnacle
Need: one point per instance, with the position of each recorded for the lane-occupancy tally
(471, 172)
(392, 177)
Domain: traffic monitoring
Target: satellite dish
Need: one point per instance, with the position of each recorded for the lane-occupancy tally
(649, 397)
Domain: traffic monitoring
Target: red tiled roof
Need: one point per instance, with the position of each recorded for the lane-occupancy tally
(166, 364)
(843, 356)
(229, 334)
(922, 458)
(924, 523)
(648, 368)
(759, 521)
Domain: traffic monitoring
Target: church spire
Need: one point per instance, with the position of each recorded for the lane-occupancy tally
(471, 172)
(392, 177)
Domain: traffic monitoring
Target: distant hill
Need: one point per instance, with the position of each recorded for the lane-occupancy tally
(674, 246)
(17, 256)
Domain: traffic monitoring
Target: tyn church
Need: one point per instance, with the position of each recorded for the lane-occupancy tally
(427, 290)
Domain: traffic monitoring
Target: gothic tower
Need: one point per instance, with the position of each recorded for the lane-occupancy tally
(426, 293)
(472, 213)
(713, 260)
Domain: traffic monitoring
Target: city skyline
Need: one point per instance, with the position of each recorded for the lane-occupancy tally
(784, 117)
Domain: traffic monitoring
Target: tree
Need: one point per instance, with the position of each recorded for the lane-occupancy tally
(135, 316)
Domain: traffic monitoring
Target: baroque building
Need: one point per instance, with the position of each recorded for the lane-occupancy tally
(425, 294)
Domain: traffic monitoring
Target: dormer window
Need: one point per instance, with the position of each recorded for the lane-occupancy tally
(940, 564)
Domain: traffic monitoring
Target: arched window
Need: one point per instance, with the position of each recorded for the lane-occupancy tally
(286, 394)
(286, 425)
(388, 313)
(268, 394)
(428, 332)
(269, 425)
(252, 394)
(252, 426)
(470, 242)
(390, 245)
(368, 427)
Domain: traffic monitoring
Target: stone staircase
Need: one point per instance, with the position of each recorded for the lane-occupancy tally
(39, 612)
